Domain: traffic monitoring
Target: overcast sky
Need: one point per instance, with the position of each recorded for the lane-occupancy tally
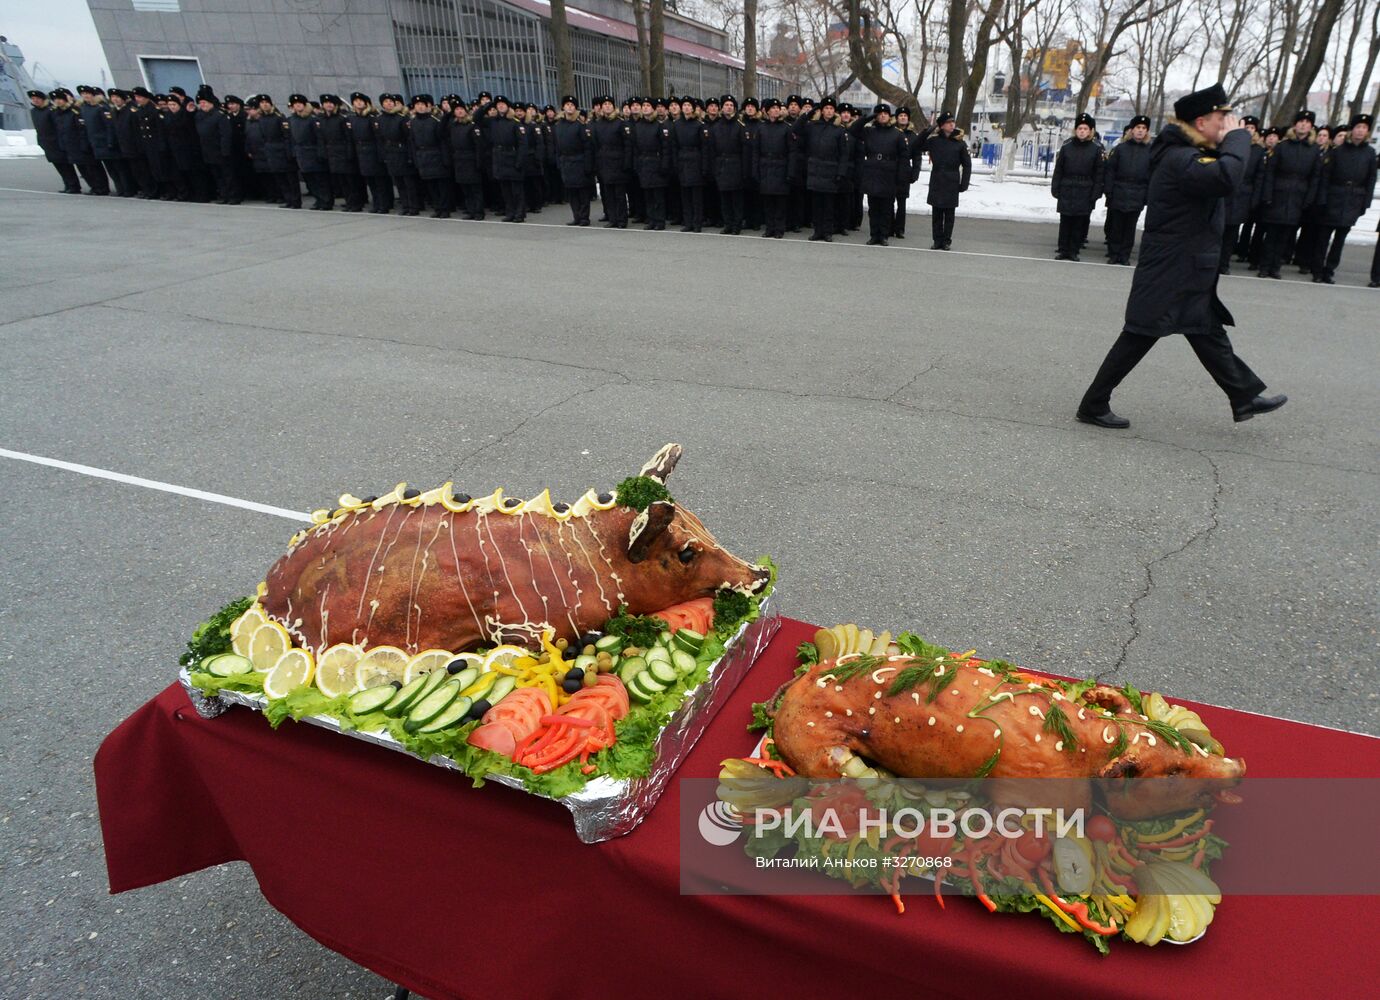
(58, 37)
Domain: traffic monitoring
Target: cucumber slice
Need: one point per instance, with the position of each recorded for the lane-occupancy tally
(452, 715)
(467, 677)
(636, 693)
(649, 683)
(372, 699)
(482, 684)
(585, 661)
(433, 680)
(689, 640)
(405, 696)
(683, 662)
(630, 667)
(609, 644)
(658, 653)
(226, 665)
(665, 638)
(501, 689)
(663, 672)
(431, 706)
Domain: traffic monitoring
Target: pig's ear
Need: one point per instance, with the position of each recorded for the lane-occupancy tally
(647, 527)
(659, 466)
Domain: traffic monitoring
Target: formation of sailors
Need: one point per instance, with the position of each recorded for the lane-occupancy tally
(1303, 189)
(768, 166)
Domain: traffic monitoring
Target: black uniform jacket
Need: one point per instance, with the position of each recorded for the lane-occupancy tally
(1348, 184)
(268, 141)
(823, 153)
(1289, 181)
(1174, 289)
(951, 168)
(1126, 176)
(771, 146)
(1077, 180)
(575, 153)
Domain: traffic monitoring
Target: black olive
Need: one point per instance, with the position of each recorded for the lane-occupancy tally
(411, 494)
(572, 684)
(577, 672)
(478, 709)
(461, 497)
(606, 498)
(511, 501)
(369, 499)
(560, 508)
(686, 555)
(396, 685)
(456, 665)
(589, 639)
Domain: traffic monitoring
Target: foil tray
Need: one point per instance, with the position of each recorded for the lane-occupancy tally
(606, 807)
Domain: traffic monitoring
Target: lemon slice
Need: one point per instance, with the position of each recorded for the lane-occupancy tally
(335, 671)
(503, 656)
(293, 669)
(268, 642)
(456, 502)
(243, 629)
(380, 665)
(425, 662)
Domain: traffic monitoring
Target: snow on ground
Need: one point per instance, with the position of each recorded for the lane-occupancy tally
(1027, 199)
(19, 143)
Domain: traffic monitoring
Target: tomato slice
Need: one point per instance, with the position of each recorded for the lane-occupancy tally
(495, 737)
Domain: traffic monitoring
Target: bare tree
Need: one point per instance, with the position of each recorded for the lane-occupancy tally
(750, 47)
(1310, 60)
(1033, 22)
(644, 47)
(560, 41)
(866, 53)
(656, 57)
(1102, 23)
(1358, 102)
(984, 37)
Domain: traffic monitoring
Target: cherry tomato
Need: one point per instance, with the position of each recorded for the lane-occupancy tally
(1102, 828)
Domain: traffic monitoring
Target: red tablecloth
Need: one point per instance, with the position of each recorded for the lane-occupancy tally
(488, 893)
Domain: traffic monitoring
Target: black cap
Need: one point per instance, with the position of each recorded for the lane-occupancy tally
(359, 95)
(1085, 119)
(569, 99)
(726, 98)
(548, 107)
(1365, 120)
(660, 102)
(1251, 120)
(1139, 120)
(808, 100)
(453, 99)
(750, 102)
(1202, 102)
(62, 92)
(232, 99)
(794, 99)
(1326, 128)
(206, 93)
(711, 99)
(500, 99)
(942, 117)
(1305, 115)
(902, 109)
(178, 91)
(330, 99)
(137, 92)
(117, 92)
(881, 107)
(86, 88)
(484, 94)
(769, 103)
(828, 102)
(37, 93)
(298, 99)
(421, 99)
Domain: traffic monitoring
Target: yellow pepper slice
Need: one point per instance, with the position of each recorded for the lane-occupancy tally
(1173, 831)
(1054, 908)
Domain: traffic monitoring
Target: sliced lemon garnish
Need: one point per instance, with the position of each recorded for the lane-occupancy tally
(293, 670)
(335, 671)
(261, 590)
(268, 642)
(505, 505)
(243, 629)
(393, 496)
(539, 504)
(348, 501)
(432, 497)
(597, 505)
(470, 660)
(320, 516)
(503, 656)
(450, 501)
(425, 662)
(380, 665)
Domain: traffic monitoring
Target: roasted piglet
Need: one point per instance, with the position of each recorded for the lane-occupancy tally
(947, 717)
(440, 569)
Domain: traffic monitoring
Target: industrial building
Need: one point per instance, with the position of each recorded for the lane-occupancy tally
(411, 46)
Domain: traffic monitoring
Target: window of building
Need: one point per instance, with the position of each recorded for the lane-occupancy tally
(161, 73)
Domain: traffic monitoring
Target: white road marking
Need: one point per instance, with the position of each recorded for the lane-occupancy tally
(153, 484)
(836, 242)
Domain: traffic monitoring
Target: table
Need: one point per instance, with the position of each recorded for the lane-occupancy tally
(545, 915)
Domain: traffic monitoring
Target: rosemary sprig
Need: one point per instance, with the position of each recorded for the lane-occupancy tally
(990, 763)
(1119, 745)
(847, 671)
(908, 678)
(1170, 735)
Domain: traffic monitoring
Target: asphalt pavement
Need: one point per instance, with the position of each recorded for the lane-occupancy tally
(893, 425)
